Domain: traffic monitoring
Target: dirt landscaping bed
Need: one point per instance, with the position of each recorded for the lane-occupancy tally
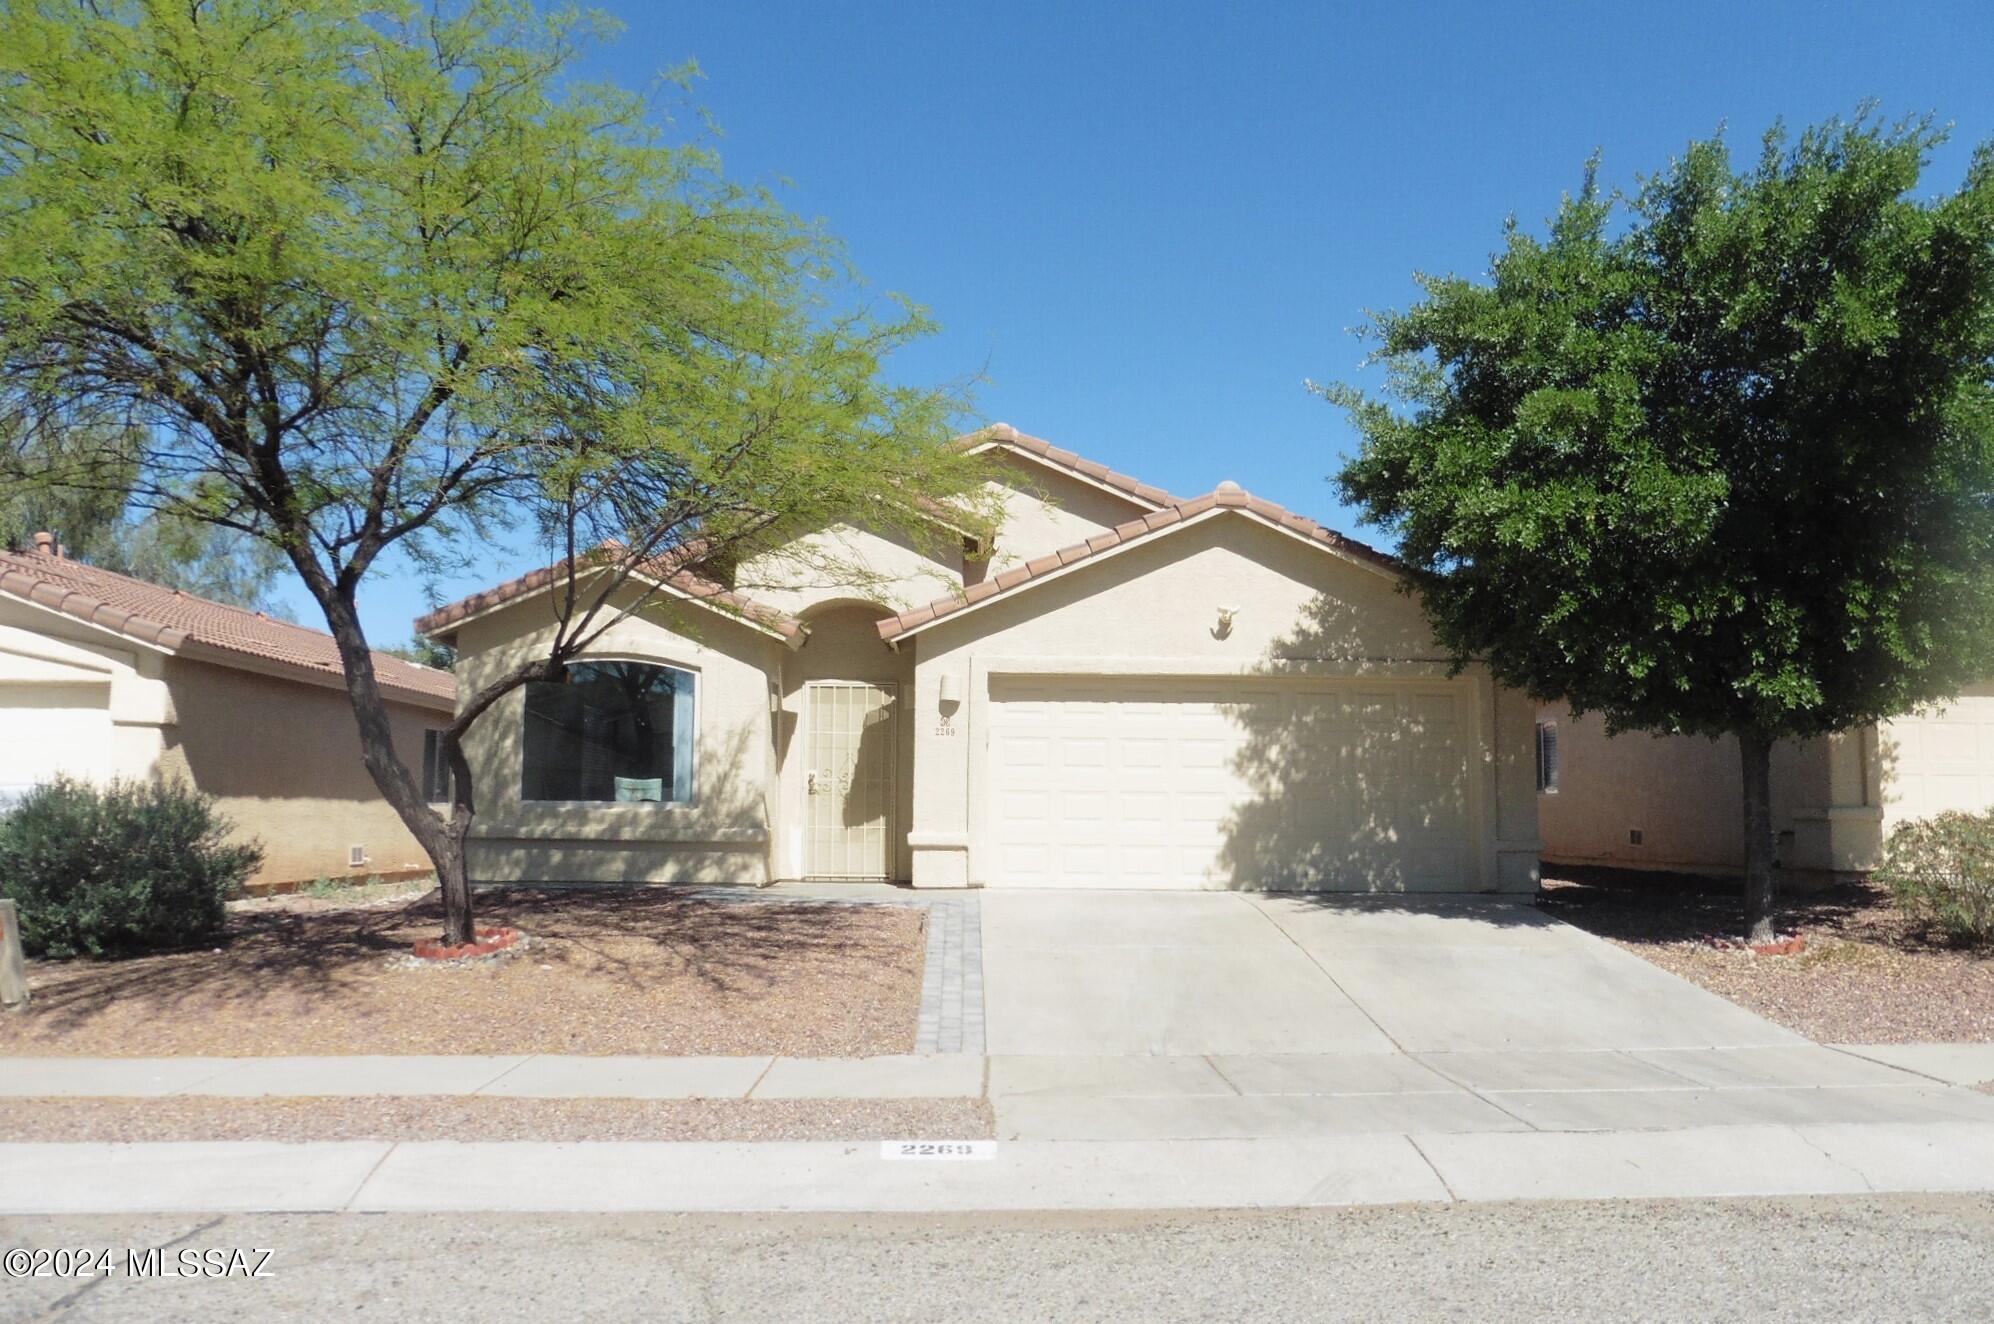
(603, 970)
(481, 1118)
(1866, 976)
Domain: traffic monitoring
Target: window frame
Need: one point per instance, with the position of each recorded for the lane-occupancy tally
(435, 773)
(1550, 772)
(696, 707)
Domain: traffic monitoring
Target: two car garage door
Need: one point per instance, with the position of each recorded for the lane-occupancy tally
(1119, 782)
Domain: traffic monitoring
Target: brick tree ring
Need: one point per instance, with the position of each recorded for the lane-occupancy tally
(485, 943)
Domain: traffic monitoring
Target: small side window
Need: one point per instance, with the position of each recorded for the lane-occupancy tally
(435, 769)
(1547, 758)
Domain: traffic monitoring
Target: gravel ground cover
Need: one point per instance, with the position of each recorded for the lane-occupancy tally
(604, 970)
(479, 1118)
(1867, 976)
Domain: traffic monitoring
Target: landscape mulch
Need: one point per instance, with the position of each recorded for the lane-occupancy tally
(487, 1118)
(641, 970)
(1867, 974)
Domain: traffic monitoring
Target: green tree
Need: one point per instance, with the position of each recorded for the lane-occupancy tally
(98, 525)
(1715, 458)
(369, 279)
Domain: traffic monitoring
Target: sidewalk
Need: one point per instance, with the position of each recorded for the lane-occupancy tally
(1242, 1130)
(1027, 1175)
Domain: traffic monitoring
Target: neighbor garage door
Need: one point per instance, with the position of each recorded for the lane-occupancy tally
(1941, 760)
(1226, 783)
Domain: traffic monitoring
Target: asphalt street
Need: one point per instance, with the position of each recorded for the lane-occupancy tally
(1842, 1257)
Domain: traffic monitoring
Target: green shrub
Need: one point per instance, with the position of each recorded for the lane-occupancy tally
(128, 867)
(1941, 871)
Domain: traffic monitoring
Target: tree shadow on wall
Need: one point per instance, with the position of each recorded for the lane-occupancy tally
(1351, 788)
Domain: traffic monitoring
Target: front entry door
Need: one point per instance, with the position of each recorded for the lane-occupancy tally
(850, 780)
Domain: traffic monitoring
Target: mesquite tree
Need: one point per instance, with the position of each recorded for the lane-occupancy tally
(373, 281)
(1716, 458)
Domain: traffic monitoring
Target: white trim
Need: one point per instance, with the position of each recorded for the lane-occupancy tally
(963, 609)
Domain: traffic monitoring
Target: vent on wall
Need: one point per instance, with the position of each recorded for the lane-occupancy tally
(356, 856)
(1633, 836)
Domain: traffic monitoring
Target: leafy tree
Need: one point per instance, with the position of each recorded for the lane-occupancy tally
(424, 651)
(1715, 458)
(97, 525)
(372, 281)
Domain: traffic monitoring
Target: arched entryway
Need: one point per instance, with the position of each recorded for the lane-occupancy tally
(849, 754)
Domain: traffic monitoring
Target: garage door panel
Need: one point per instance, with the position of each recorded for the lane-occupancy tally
(1233, 783)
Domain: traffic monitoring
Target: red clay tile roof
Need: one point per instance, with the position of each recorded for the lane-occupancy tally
(682, 582)
(1004, 434)
(182, 623)
(1229, 496)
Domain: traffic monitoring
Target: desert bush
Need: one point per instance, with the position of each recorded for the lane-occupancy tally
(1941, 872)
(129, 867)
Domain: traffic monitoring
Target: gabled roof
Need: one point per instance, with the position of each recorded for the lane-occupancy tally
(208, 631)
(1228, 498)
(664, 572)
(1044, 452)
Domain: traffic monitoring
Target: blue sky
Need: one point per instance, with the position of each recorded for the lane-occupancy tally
(1148, 224)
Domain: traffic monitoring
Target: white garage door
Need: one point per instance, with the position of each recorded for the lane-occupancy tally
(1227, 783)
(51, 728)
(1941, 760)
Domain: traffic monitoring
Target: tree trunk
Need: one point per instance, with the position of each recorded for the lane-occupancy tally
(441, 839)
(453, 883)
(1755, 752)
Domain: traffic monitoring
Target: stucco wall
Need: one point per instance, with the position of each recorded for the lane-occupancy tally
(1153, 610)
(846, 563)
(1045, 510)
(283, 759)
(76, 699)
(722, 836)
(1834, 799)
(1684, 794)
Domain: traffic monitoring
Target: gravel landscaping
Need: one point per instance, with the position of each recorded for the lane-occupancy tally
(640, 970)
(1867, 974)
(481, 1118)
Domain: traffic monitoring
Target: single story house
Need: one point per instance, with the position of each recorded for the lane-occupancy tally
(104, 676)
(1637, 801)
(1123, 689)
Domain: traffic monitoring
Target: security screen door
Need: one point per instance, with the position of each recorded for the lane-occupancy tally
(850, 779)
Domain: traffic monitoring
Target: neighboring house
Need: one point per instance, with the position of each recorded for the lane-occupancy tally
(1124, 689)
(1675, 802)
(103, 676)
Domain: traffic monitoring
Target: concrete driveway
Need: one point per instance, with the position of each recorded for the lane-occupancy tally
(1168, 1016)
(1190, 973)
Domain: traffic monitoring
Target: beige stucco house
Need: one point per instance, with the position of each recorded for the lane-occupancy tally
(1123, 689)
(1673, 802)
(104, 676)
